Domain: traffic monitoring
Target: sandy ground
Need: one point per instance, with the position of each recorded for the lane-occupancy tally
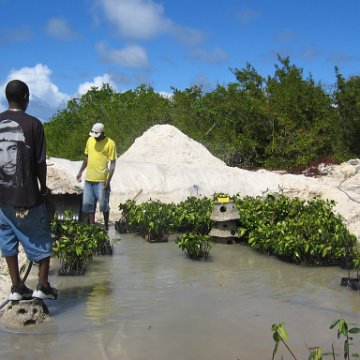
(164, 164)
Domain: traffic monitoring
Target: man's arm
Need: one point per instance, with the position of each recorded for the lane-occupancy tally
(41, 174)
(111, 173)
(82, 168)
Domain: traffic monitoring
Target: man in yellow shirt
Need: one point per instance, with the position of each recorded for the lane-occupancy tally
(99, 161)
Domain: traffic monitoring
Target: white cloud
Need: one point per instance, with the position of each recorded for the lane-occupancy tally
(132, 56)
(310, 53)
(9, 36)
(285, 35)
(186, 35)
(203, 81)
(97, 82)
(45, 97)
(214, 56)
(136, 19)
(340, 58)
(166, 94)
(40, 85)
(247, 16)
(60, 29)
(144, 20)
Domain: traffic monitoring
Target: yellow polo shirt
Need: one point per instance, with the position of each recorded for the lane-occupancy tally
(99, 154)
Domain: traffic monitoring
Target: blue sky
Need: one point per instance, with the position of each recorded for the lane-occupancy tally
(62, 48)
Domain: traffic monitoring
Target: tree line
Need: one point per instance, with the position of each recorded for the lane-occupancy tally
(285, 121)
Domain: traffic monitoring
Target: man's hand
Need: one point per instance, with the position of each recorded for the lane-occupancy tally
(82, 168)
(45, 191)
(107, 185)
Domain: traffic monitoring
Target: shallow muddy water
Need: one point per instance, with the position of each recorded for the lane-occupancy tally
(148, 301)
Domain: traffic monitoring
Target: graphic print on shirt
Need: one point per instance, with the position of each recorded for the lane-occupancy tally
(14, 154)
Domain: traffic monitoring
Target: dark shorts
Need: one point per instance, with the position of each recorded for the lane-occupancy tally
(33, 232)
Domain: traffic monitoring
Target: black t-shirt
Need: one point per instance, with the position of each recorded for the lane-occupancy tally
(22, 148)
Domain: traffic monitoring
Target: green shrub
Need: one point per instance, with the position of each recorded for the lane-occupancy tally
(303, 232)
(153, 220)
(195, 246)
(76, 243)
(193, 215)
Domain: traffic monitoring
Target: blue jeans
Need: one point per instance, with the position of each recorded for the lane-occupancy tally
(94, 193)
(33, 232)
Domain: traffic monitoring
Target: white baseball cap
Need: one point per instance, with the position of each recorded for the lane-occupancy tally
(97, 130)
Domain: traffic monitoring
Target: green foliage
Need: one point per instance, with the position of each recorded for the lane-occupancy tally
(301, 115)
(316, 354)
(283, 121)
(76, 243)
(193, 215)
(347, 99)
(343, 329)
(195, 246)
(356, 261)
(125, 116)
(302, 232)
(295, 230)
(280, 335)
(153, 220)
(129, 211)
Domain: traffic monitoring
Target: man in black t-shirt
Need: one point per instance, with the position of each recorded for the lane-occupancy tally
(23, 217)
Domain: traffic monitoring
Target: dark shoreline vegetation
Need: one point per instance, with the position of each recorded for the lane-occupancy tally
(285, 121)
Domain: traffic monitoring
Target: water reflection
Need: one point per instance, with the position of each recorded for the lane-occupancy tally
(148, 301)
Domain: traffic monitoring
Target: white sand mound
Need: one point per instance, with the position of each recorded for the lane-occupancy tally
(165, 144)
(167, 165)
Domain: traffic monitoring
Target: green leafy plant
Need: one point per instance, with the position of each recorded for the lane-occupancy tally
(345, 331)
(127, 208)
(294, 230)
(132, 217)
(195, 246)
(153, 220)
(102, 240)
(353, 265)
(76, 243)
(280, 336)
(193, 215)
(356, 264)
(302, 232)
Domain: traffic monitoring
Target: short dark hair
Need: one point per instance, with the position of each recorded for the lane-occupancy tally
(16, 90)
